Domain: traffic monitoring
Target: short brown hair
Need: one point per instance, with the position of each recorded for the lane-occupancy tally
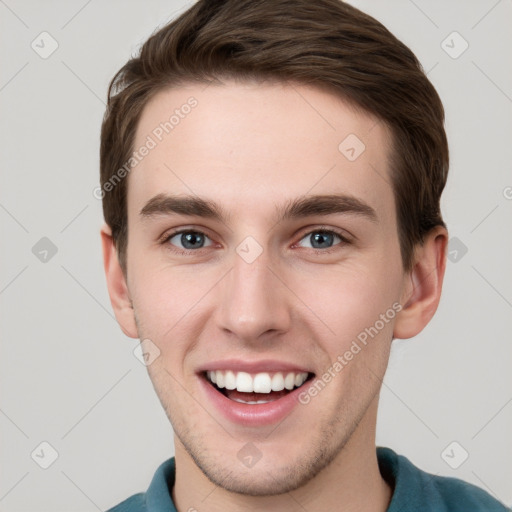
(325, 43)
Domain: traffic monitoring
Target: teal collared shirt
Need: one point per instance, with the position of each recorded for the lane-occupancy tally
(414, 490)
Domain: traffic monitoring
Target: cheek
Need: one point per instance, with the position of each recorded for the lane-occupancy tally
(361, 315)
(348, 298)
(167, 300)
(355, 305)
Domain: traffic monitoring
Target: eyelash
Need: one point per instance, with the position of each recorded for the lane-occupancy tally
(165, 239)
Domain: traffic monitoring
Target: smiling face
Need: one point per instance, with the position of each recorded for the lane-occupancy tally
(287, 252)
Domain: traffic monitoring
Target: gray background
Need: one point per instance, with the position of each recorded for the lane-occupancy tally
(69, 376)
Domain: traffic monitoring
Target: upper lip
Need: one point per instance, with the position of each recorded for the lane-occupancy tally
(262, 366)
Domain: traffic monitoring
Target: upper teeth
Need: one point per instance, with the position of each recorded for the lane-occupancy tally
(258, 383)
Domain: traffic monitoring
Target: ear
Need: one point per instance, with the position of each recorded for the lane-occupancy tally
(423, 285)
(116, 284)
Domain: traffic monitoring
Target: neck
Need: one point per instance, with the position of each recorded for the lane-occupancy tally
(351, 482)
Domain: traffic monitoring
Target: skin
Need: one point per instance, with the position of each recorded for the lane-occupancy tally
(251, 147)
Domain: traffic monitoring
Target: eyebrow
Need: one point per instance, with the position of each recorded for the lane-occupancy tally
(307, 206)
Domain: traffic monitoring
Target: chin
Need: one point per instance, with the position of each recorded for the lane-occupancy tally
(258, 482)
(274, 474)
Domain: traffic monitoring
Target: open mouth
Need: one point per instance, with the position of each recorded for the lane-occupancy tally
(254, 389)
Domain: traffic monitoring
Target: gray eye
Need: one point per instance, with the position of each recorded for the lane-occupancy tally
(190, 240)
(321, 239)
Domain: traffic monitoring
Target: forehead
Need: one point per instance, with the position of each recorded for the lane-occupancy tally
(253, 146)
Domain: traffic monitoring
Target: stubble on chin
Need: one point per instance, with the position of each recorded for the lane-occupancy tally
(266, 477)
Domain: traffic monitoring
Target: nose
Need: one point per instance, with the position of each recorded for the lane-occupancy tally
(254, 301)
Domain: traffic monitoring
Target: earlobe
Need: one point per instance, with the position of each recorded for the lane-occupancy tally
(117, 286)
(423, 285)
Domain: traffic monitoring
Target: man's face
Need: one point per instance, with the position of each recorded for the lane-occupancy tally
(254, 293)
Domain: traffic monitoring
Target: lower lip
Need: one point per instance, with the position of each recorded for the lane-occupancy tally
(253, 415)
